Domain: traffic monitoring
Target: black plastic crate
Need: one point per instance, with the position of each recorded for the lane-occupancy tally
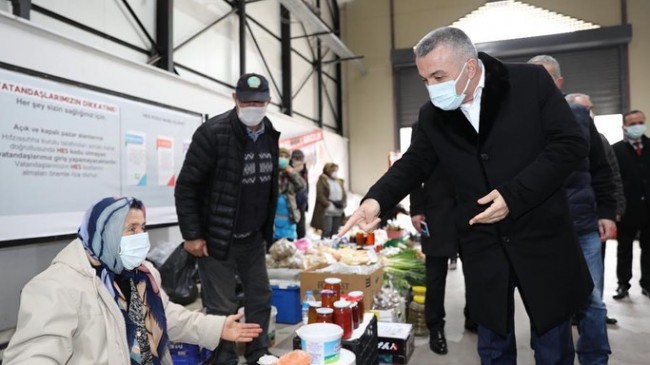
(364, 347)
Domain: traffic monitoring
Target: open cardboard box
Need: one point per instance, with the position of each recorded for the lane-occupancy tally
(369, 284)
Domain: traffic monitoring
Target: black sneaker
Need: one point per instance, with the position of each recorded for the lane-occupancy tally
(610, 320)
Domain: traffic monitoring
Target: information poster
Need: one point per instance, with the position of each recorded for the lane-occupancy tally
(64, 147)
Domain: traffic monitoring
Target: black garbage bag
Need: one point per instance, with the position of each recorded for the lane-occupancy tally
(178, 275)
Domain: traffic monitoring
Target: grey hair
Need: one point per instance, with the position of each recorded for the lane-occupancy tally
(547, 60)
(571, 98)
(455, 38)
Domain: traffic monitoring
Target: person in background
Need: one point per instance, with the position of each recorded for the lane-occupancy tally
(287, 213)
(302, 197)
(226, 196)
(585, 100)
(104, 301)
(330, 201)
(507, 139)
(633, 156)
(592, 205)
(432, 206)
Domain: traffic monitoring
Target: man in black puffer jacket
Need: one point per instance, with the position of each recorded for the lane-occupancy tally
(226, 196)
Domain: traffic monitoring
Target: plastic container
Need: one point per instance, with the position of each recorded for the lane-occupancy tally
(417, 317)
(322, 341)
(286, 300)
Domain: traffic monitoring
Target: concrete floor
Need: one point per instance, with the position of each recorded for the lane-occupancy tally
(629, 339)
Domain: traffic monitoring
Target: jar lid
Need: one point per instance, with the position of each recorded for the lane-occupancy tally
(333, 280)
(324, 310)
(418, 299)
(419, 290)
(356, 293)
(327, 292)
(341, 304)
(316, 304)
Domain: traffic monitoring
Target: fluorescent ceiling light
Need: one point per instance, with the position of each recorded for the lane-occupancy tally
(510, 19)
(315, 25)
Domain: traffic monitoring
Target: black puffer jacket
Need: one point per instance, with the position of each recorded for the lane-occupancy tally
(207, 190)
(590, 188)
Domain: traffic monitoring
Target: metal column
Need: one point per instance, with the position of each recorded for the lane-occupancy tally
(241, 6)
(285, 43)
(165, 34)
(21, 8)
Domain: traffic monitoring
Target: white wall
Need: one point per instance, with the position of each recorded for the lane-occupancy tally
(68, 53)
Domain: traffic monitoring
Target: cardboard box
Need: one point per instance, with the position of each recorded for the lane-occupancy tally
(396, 342)
(370, 284)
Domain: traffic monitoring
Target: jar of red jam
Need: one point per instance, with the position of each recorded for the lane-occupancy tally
(343, 317)
(324, 315)
(327, 298)
(357, 296)
(333, 284)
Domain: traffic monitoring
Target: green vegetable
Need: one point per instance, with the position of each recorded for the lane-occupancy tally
(405, 269)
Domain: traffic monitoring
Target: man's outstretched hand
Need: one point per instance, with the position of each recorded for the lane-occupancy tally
(366, 217)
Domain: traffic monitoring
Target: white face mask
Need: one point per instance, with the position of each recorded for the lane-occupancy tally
(334, 175)
(443, 95)
(251, 115)
(134, 250)
(635, 131)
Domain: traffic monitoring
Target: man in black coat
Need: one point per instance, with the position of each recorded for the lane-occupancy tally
(507, 150)
(633, 155)
(433, 204)
(226, 195)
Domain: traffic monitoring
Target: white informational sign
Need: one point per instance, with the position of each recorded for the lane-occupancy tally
(64, 147)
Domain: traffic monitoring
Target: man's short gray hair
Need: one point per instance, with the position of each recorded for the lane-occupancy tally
(546, 60)
(571, 98)
(455, 38)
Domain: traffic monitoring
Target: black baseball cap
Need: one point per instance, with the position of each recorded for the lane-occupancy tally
(252, 87)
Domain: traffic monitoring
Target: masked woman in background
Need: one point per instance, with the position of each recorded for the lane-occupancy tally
(330, 201)
(99, 302)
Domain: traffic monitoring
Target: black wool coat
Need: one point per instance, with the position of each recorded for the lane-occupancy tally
(635, 174)
(528, 144)
(208, 188)
(436, 200)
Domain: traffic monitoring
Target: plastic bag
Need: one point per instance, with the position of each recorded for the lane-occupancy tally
(178, 276)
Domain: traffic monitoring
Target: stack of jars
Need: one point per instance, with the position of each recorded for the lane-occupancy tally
(343, 310)
(416, 314)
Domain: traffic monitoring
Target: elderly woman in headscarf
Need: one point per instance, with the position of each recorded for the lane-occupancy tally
(99, 302)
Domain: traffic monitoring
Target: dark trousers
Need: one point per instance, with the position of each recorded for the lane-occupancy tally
(301, 227)
(555, 347)
(626, 236)
(434, 304)
(331, 225)
(247, 260)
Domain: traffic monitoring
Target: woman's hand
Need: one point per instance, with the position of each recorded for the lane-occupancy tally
(239, 332)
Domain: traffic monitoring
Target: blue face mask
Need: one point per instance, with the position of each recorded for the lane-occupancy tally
(443, 95)
(134, 250)
(283, 162)
(635, 131)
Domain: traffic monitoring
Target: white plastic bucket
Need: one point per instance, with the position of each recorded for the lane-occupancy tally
(271, 329)
(322, 341)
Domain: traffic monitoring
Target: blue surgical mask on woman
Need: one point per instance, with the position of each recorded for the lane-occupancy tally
(134, 249)
(443, 95)
(635, 131)
(283, 162)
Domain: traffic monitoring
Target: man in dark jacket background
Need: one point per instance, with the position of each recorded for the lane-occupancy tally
(589, 191)
(507, 139)
(226, 197)
(633, 154)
